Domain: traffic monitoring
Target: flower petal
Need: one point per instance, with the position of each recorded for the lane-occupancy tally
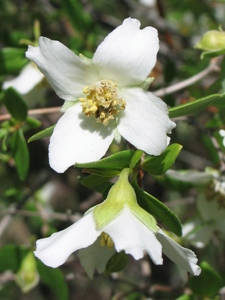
(132, 236)
(95, 256)
(28, 78)
(145, 121)
(77, 138)
(183, 257)
(128, 54)
(54, 250)
(67, 73)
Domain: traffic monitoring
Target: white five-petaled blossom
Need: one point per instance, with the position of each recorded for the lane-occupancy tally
(118, 224)
(104, 97)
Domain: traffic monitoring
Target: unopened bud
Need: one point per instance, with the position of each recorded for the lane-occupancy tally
(212, 40)
(27, 276)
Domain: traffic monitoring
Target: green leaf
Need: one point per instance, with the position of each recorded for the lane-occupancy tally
(97, 183)
(220, 103)
(158, 210)
(158, 165)
(185, 297)
(116, 263)
(42, 134)
(15, 104)
(12, 60)
(4, 143)
(54, 279)
(194, 106)
(11, 257)
(208, 283)
(103, 172)
(20, 154)
(135, 159)
(80, 19)
(116, 161)
(33, 123)
(136, 296)
(92, 180)
(3, 132)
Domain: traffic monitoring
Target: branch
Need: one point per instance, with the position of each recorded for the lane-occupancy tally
(213, 67)
(47, 215)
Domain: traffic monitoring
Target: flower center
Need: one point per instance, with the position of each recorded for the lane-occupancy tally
(106, 240)
(102, 101)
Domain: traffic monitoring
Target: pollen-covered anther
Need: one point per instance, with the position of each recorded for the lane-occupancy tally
(106, 240)
(102, 101)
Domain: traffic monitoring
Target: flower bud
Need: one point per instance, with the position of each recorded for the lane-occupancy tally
(212, 40)
(27, 276)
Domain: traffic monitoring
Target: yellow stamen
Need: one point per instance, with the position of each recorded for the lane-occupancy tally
(106, 240)
(102, 101)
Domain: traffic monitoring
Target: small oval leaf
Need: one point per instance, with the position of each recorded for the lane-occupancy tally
(159, 210)
(116, 263)
(158, 165)
(117, 161)
(42, 134)
(20, 154)
(54, 279)
(12, 60)
(194, 106)
(15, 104)
(208, 283)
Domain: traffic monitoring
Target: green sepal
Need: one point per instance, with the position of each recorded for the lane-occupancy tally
(15, 104)
(116, 263)
(194, 106)
(20, 154)
(12, 60)
(212, 53)
(158, 165)
(54, 279)
(158, 210)
(208, 283)
(42, 134)
(145, 84)
(117, 161)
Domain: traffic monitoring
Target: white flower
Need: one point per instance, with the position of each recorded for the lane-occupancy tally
(104, 96)
(115, 225)
(28, 84)
(210, 202)
(199, 231)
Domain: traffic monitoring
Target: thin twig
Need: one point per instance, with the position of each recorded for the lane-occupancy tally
(48, 215)
(213, 67)
(39, 111)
